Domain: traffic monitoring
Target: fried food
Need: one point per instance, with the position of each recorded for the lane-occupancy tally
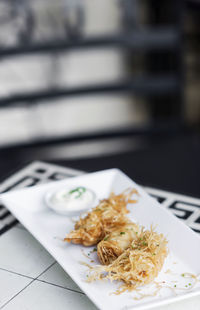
(116, 243)
(137, 265)
(102, 220)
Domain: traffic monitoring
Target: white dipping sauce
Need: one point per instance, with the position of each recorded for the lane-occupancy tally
(68, 201)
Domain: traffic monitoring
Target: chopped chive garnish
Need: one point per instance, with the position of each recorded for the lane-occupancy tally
(183, 275)
(154, 254)
(106, 238)
(136, 232)
(78, 190)
(189, 284)
(144, 243)
(174, 285)
(186, 286)
(94, 250)
(122, 233)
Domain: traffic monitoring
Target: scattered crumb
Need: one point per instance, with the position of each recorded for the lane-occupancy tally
(168, 271)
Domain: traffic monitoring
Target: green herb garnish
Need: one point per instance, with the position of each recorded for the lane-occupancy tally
(183, 275)
(122, 233)
(106, 238)
(79, 190)
(174, 285)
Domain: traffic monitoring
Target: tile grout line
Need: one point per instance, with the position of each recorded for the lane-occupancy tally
(17, 273)
(45, 270)
(60, 286)
(7, 302)
(37, 279)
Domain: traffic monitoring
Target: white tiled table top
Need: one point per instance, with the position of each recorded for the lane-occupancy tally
(30, 279)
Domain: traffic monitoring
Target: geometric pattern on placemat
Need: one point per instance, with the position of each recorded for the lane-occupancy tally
(35, 173)
(185, 208)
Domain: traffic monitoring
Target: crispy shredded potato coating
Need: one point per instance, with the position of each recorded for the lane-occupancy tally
(136, 266)
(116, 243)
(102, 220)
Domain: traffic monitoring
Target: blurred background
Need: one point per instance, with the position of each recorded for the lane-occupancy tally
(85, 78)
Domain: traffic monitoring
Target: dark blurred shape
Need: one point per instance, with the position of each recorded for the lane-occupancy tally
(17, 15)
(159, 41)
(152, 34)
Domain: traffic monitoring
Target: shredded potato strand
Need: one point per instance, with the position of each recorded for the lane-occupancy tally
(116, 243)
(102, 220)
(138, 265)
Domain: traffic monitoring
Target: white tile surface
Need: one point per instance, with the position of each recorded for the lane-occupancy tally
(45, 296)
(10, 285)
(21, 253)
(56, 275)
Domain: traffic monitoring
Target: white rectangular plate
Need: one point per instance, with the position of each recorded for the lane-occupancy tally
(49, 228)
